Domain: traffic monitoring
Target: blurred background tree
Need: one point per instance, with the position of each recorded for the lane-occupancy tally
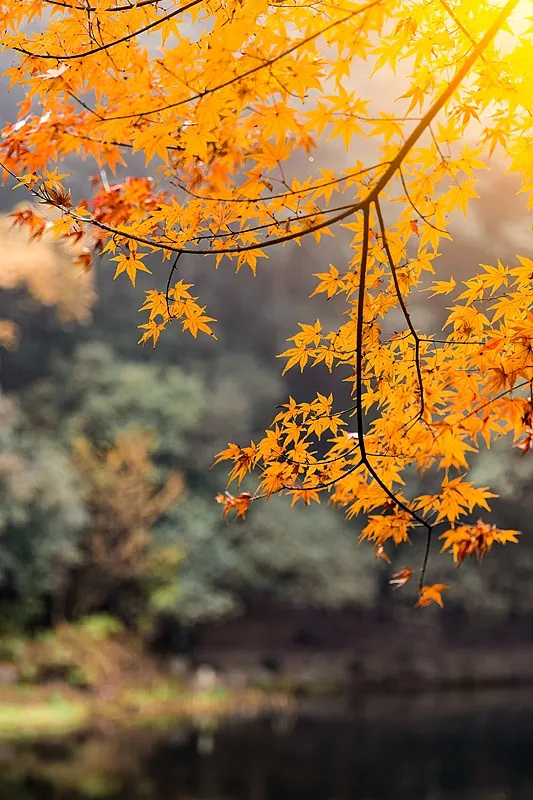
(115, 444)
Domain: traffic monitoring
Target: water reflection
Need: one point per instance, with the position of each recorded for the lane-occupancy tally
(443, 747)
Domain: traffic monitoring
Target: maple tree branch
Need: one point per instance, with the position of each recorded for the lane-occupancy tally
(425, 560)
(359, 374)
(496, 397)
(278, 223)
(451, 13)
(170, 275)
(109, 45)
(382, 182)
(402, 304)
(84, 105)
(127, 7)
(423, 217)
(252, 71)
(358, 388)
(436, 142)
(389, 171)
(447, 93)
(326, 485)
(257, 198)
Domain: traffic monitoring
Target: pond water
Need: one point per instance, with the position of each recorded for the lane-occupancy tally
(444, 747)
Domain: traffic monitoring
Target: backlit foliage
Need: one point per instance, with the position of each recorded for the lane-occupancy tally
(233, 104)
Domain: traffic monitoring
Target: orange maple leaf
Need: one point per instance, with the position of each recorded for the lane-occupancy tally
(238, 503)
(469, 540)
(431, 594)
(242, 457)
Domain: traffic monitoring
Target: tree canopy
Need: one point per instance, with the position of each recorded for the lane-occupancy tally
(239, 108)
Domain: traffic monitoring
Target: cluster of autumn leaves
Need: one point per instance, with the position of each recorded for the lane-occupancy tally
(226, 116)
(463, 541)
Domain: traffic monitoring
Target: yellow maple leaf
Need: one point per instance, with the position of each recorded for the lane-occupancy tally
(130, 264)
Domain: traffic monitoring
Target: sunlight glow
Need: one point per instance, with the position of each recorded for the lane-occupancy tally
(522, 17)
